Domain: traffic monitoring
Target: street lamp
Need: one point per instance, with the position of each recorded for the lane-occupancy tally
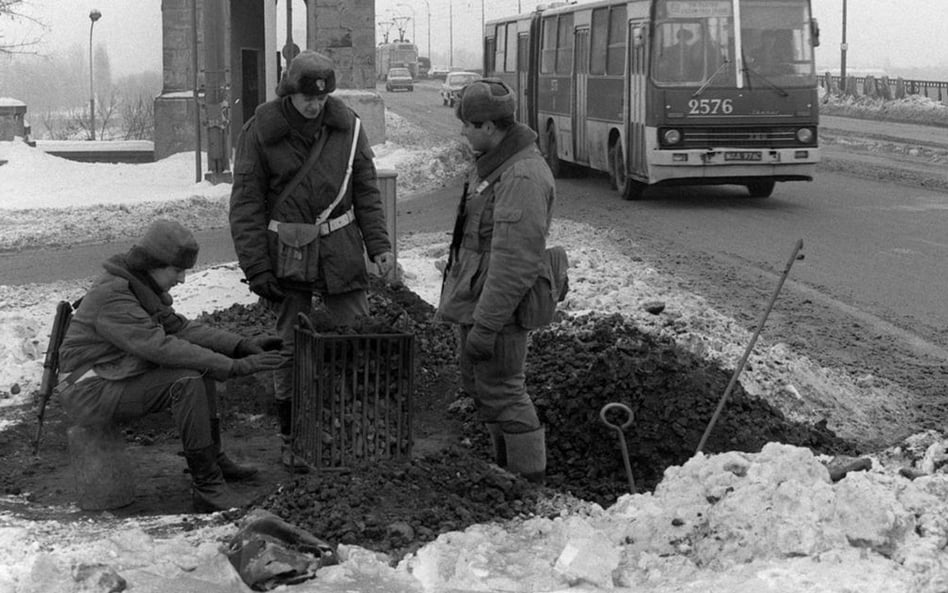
(94, 15)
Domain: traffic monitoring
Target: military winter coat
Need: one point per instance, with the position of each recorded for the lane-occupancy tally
(503, 242)
(123, 328)
(269, 153)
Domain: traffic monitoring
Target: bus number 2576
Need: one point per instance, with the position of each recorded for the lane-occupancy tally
(710, 106)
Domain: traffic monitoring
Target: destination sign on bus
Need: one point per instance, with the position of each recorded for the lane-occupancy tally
(689, 9)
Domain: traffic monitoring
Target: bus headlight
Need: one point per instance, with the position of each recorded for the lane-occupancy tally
(805, 136)
(671, 136)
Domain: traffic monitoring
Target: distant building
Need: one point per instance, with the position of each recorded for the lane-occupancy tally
(240, 59)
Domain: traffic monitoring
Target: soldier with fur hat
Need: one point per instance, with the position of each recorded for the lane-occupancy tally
(127, 353)
(265, 204)
(497, 253)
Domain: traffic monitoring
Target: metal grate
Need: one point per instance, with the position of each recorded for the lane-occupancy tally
(352, 398)
(739, 137)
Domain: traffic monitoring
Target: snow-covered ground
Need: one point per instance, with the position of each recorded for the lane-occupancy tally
(771, 521)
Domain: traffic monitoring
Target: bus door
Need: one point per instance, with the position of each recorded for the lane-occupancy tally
(580, 104)
(524, 103)
(638, 94)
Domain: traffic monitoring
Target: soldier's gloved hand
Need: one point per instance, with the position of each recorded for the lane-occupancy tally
(267, 361)
(256, 345)
(386, 263)
(266, 285)
(479, 345)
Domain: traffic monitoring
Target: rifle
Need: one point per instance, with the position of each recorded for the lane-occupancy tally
(51, 365)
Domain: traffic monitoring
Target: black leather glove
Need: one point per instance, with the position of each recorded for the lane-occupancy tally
(479, 345)
(266, 285)
(257, 345)
(267, 361)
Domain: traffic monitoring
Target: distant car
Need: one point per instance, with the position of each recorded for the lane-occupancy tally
(399, 79)
(452, 85)
(438, 71)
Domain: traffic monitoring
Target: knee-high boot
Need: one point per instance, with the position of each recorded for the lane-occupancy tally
(230, 469)
(526, 454)
(209, 491)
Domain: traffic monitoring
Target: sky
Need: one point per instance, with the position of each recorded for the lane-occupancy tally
(880, 33)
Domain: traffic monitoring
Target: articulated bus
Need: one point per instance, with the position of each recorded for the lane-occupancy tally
(665, 92)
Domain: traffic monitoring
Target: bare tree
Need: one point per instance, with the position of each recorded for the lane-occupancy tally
(12, 10)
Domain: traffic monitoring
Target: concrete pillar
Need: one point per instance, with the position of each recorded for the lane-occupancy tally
(345, 31)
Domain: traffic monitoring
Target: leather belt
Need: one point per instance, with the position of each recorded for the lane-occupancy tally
(330, 226)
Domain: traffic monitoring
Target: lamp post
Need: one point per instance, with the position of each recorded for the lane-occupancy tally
(94, 15)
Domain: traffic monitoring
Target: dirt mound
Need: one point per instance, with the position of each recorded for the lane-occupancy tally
(575, 367)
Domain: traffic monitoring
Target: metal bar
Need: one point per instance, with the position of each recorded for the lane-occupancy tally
(750, 346)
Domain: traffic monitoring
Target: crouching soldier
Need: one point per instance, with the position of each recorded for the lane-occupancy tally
(128, 354)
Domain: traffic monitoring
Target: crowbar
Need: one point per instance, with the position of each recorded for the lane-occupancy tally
(750, 346)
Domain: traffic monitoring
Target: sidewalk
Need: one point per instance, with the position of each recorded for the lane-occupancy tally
(884, 130)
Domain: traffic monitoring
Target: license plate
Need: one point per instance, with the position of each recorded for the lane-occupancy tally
(745, 155)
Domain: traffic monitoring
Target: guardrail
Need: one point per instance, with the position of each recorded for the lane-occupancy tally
(897, 87)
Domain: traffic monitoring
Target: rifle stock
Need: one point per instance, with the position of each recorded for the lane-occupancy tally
(51, 365)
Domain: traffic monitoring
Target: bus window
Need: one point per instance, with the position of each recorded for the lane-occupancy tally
(564, 45)
(615, 54)
(599, 41)
(679, 55)
(548, 53)
(511, 48)
(776, 40)
(499, 48)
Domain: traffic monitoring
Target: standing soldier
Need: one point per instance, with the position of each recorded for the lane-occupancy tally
(304, 203)
(497, 254)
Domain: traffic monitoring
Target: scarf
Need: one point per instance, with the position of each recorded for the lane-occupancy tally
(155, 301)
(518, 137)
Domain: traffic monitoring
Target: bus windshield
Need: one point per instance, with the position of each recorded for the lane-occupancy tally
(696, 43)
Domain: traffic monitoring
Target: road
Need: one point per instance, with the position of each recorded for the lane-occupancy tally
(880, 248)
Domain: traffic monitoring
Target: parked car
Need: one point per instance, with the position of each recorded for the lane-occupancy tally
(399, 79)
(452, 85)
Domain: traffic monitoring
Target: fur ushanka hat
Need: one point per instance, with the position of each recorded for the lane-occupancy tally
(310, 73)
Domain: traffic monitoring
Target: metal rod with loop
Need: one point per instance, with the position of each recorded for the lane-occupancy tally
(620, 428)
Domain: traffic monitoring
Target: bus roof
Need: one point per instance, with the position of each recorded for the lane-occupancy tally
(555, 8)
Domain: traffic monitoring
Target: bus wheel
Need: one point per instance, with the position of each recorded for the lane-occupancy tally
(552, 157)
(627, 187)
(761, 189)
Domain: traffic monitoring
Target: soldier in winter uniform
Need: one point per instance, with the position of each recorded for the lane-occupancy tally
(497, 254)
(304, 164)
(127, 353)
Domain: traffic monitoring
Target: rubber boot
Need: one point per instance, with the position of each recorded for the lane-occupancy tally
(292, 463)
(231, 470)
(500, 445)
(526, 454)
(209, 491)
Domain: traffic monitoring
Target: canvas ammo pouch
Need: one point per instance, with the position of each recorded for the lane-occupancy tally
(539, 304)
(297, 251)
